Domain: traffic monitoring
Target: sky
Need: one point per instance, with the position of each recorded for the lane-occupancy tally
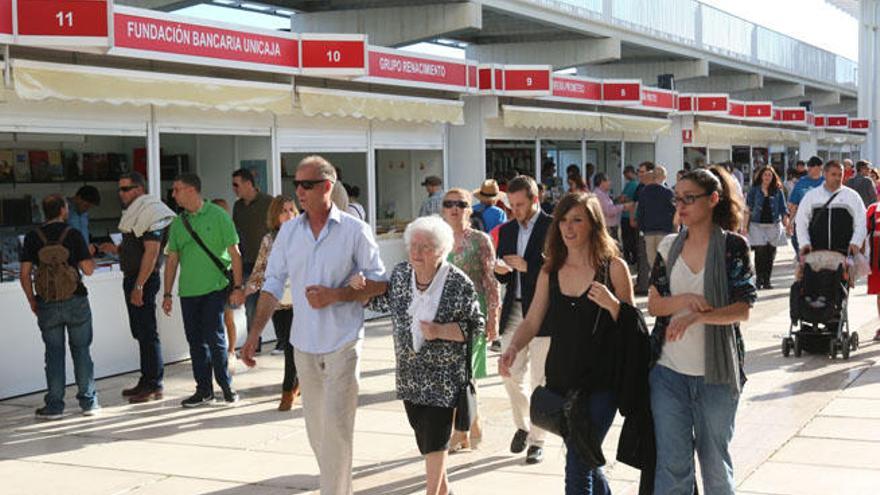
(812, 21)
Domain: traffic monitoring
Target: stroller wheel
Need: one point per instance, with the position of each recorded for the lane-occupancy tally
(845, 347)
(798, 347)
(854, 341)
(832, 348)
(786, 346)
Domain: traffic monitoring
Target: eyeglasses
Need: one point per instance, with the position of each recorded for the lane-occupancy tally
(308, 185)
(127, 188)
(452, 204)
(689, 199)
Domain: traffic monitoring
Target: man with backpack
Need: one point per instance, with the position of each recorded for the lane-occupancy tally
(51, 260)
(486, 214)
(202, 240)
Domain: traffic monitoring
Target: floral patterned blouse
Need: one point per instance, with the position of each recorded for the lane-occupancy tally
(474, 254)
(258, 275)
(740, 287)
(434, 375)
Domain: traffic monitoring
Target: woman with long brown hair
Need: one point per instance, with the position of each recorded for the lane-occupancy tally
(702, 287)
(578, 297)
(768, 219)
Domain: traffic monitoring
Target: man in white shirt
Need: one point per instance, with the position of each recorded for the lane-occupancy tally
(831, 217)
(318, 252)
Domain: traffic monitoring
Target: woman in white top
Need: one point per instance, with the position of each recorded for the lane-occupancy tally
(702, 287)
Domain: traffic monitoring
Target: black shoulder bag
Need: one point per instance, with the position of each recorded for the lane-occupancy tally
(184, 217)
(466, 403)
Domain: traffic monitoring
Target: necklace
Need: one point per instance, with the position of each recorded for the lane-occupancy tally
(423, 287)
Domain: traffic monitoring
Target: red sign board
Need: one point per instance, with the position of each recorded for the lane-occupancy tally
(685, 103)
(5, 19)
(687, 136)
(736, 109)
(836, 121)
(819, 121)
(417, 70)
(762, 110)
(859, 123)
(528, 80)
(334, 54)
(578, 89)
(711, 103)
(621, 92)
(486, 82)
(660, 99)
(164, 36)
(791, 114)
(63, 22)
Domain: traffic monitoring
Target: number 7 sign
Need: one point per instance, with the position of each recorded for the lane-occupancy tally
(63, 22)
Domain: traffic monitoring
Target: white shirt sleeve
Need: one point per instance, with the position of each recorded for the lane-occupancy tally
(802, 220)
(276, 268)
(860, 229)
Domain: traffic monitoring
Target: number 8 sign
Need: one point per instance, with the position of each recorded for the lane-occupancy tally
(63, 22)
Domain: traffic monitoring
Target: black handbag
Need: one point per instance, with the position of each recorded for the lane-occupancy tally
(547, 411)
(466, 403)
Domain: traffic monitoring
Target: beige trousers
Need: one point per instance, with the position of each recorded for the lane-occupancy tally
(529, 360)
(652, 241)
(329, 384)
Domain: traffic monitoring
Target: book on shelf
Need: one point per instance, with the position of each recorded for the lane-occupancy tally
(22, 167)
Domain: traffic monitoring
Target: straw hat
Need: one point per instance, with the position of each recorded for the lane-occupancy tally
(488, 191)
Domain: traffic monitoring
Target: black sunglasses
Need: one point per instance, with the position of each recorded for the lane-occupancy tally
(689, 199)
(127, 188)
(308, 185)
(452, 204)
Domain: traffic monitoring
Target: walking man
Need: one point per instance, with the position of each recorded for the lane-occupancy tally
(812, 180)
(318, 252)
(520, 244)
(52, 258)
(656, 213)
(145, 220)
(432, 205)
(203, 242)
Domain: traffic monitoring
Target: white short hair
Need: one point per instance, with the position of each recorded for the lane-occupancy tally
(440, 233)
(660, 172)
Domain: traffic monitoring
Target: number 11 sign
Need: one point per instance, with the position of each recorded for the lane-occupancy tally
(63, 22)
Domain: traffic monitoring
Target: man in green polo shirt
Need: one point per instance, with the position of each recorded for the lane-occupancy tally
(204, 287)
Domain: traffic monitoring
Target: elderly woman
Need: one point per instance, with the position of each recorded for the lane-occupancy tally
(474, 253)
(434, 311)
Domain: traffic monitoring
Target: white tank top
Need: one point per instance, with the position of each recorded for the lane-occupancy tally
(688, 354)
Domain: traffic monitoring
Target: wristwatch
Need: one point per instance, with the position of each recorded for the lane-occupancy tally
(166, 295)
(238, 287)
(138, 287)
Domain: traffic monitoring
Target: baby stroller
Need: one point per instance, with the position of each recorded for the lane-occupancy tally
(819, 321)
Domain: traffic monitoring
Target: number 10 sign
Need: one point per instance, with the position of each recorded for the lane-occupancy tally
(338, 54)
(63, 22)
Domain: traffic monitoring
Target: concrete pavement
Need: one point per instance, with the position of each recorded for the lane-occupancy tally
(805, 425)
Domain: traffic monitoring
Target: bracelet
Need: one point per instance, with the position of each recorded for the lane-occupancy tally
(238, 287)
(166, 295)
(138, 287)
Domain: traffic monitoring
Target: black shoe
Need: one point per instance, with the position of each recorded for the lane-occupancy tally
(518, 444)
(45, 413)
(230, 396)
(136, 390)
(198, 399)
(534, 455)
(495, 346)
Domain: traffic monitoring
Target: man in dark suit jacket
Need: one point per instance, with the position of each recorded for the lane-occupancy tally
(520, 248)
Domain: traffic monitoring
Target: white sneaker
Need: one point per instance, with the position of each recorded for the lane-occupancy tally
(94, 411)
(276, 352)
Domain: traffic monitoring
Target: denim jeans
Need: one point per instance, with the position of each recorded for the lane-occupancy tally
(579, 480)
(688, 414)
(142, 320)
(282, 319)
(75, 316)
(203, 324)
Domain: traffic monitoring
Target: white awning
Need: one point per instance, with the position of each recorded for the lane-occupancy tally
(636, 125)
(715, 132)
(550, 118)
(45, 81)
(837, 138)
(335, 103)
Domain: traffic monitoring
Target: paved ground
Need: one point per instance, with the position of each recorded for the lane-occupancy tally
(805, 425)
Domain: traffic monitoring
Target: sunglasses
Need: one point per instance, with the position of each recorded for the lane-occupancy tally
(308, 185)
(453, 204)
(127, 188)
(689, 199)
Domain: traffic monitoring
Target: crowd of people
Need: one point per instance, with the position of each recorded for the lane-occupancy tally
(537, 271)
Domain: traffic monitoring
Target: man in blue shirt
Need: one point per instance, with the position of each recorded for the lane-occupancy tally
(318, 252)
(78, 207)
(490, 214)
(812, 180)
